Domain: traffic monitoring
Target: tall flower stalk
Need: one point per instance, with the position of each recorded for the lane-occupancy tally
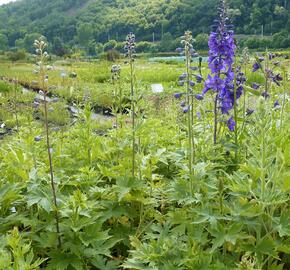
(42, 57)
(189, 80)
(130, 55)
(117, 106)
(221, 60)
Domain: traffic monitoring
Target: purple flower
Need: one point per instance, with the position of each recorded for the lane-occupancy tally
(256, 66)
(265, 94)
(221, 58)
(179, 50)
(271, 56)
(277, 79)
(182, 104)
(186, 109)
(199, 97)
(276, 104)
(231, 124)
(198, 115)
(249, 112)
(37, 138)
(191, 83)
(214, 83)
(261, 59)
(178, 95)
(182, 76)
(255, 86)
(199, 78)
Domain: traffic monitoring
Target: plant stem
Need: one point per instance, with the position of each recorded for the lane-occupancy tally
(284, 98)
(42, 74)
(190, 122)
(133, 116)
(15, 103)
(215, 119)
(236, 120)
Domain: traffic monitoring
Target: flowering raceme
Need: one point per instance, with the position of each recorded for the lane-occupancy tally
(221, 59)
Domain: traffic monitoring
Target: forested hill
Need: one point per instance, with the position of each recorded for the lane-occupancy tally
(100, 20)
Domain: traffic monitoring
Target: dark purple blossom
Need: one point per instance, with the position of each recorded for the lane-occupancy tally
(271, 56)
(255, 86)
(261, 59)
(198, 78)
(249, 112)
(265, 94)
(191, 83)
(276, 104)
(182, 104)
(178, 95)
(231, 124)
(37, 138)
(186, 109)
(182, 76)
(277, 79)
(199, 97)
(256, 66)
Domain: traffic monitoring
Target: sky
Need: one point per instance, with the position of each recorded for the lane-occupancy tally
(5, 1)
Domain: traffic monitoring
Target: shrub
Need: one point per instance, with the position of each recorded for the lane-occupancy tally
(16, 56)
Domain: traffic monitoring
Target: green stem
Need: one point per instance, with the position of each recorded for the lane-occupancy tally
(56, 215)
(284, 98)
(190, 122)
(236, 119)
(133, 116)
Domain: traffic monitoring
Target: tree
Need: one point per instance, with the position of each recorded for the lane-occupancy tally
(84, 34)
(201, 41)
(3, 42)
(167, 43)
(58, 47)
(29, 40)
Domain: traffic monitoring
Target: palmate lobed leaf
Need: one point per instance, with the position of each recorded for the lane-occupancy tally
(226, 234)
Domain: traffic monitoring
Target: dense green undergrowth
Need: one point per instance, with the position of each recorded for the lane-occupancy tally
(236, 216)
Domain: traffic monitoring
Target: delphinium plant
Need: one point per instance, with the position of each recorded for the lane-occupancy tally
(188, 79)
(267, 65)
(221, 63)
(41, 69)
(130, 55)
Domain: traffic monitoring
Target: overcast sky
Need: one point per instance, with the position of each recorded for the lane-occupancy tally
(5, 1)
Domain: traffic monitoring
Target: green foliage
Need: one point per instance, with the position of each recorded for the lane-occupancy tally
(78, 22)
(17, 253)
(236, 217)
(16, 55)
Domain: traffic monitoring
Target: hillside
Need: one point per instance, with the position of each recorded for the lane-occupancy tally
(101, 20)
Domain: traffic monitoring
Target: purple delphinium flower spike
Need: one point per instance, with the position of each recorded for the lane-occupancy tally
(221, 59)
